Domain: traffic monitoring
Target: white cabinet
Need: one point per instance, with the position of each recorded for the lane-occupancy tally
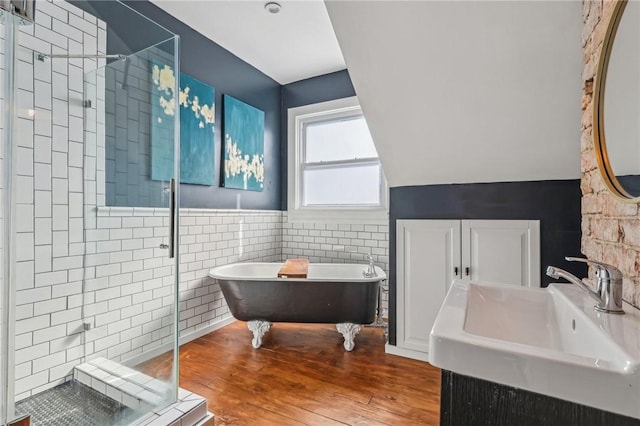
(432, 253)
(503, 251)
(435, 246)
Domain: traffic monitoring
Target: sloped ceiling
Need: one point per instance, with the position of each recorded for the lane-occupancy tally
(467, 91)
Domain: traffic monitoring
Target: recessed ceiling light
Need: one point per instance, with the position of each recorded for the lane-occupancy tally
(272, 7)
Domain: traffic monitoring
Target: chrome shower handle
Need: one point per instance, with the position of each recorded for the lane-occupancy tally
(172, 217)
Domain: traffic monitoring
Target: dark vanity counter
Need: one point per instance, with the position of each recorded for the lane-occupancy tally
(467, 401)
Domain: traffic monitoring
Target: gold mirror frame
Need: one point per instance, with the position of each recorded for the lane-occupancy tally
(599, 140)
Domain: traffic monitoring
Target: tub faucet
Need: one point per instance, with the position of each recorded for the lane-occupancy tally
(371, 271)
(608, 293)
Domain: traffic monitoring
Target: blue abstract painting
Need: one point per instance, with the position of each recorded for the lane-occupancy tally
(243, 145)
(162, 121)
(197, 127)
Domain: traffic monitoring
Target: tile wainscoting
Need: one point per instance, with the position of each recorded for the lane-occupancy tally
(129, 285)
(330, 242)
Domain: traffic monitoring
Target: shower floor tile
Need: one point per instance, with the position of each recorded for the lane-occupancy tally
(74, 404)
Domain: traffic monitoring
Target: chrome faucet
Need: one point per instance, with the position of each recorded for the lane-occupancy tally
(371, 271)
(608, 292)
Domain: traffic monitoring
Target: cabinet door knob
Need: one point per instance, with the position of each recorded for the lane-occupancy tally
(467, 271)
(455, 271)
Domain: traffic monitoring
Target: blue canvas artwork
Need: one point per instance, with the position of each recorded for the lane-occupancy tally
(197, 127)
(243, 145)
(162, 121)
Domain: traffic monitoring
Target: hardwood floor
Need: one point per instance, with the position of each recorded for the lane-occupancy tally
(302, 375)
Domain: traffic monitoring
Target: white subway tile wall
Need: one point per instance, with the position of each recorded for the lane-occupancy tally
(130, 290)
(79, 263)
(328, 242)
(127, 180)
(210, 238)
(49, 215)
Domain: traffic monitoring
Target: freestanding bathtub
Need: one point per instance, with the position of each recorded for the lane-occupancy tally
(332, 294)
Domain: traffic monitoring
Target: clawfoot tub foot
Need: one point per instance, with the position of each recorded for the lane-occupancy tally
(349, 331)
(259, 329)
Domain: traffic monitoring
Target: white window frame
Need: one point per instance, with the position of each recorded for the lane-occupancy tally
(298, 118)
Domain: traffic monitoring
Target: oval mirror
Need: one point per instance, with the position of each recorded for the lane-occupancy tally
(616, 123)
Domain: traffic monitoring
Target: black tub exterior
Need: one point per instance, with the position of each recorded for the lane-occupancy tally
(301, 301)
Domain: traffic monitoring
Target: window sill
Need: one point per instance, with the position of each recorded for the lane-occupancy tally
(369, 217)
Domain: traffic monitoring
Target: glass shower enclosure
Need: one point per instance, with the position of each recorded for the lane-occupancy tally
(90, 189)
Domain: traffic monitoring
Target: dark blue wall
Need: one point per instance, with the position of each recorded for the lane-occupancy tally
(212, 64)
(556, 203)
(323, 88)
(327, 87)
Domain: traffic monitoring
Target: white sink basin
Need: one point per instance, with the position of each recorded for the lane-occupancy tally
(550, 341)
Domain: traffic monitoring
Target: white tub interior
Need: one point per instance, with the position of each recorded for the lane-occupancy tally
(347, 272)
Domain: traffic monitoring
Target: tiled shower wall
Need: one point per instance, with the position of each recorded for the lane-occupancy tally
(128, 132)
(123, 286)
(49, 194)
(130, 292)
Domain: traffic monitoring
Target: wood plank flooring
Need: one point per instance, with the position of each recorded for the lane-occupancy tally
(303, 376)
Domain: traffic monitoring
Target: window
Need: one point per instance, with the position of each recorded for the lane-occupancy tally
(334, 169)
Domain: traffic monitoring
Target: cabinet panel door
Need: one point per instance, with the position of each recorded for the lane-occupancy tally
(428, 252)
(503, 251)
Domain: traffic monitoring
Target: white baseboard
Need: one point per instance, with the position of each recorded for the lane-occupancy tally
(407, 353)
(185, 338)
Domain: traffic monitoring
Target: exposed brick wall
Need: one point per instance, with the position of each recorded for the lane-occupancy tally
(610, 228)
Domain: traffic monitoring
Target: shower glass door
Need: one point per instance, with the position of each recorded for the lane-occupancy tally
(131, 184)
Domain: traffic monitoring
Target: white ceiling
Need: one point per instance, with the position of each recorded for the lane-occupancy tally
(295, 44)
